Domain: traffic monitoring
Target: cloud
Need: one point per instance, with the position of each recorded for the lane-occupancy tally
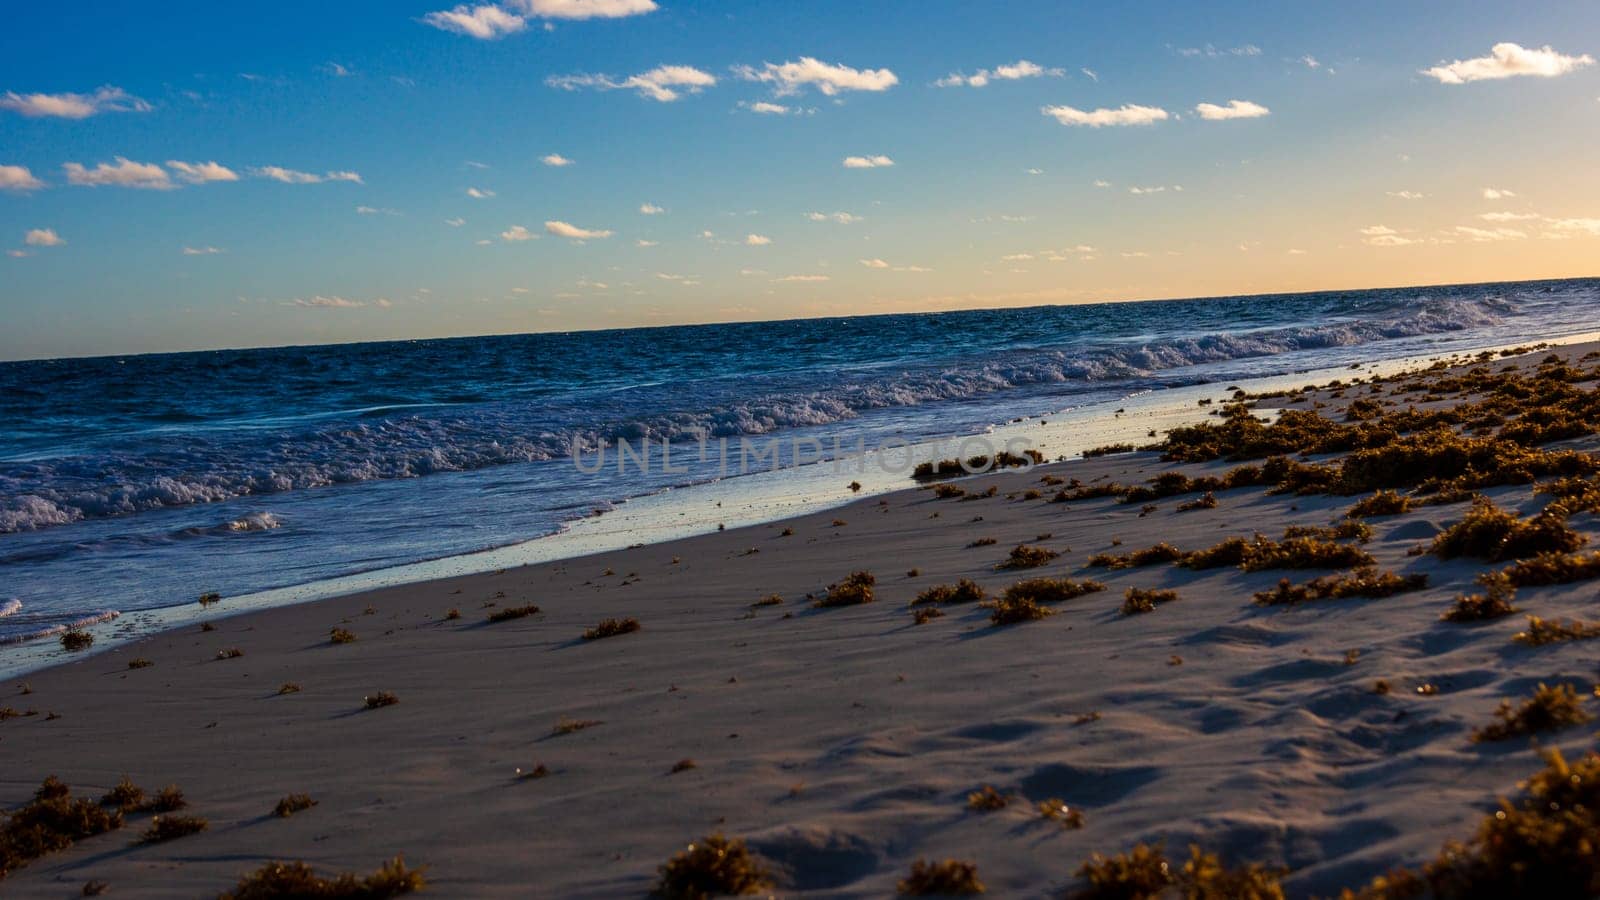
(1384, 236)
(1213, 52)
(1507, 60)
(555, 159)
(202, 251)
(1236, 109)
(486, 23)
(650, 209)
(663, 83)
(644, 243)
(1490, 193)
(73, 106)
(337, 302)
(18, 178)
(456, 222)
(1090, 74)
(802, 278)
(1589, 226)
(43, 237)
(1310, 62)
(757, 240)
(517, 233)
(19, 254)
(875, 264)
(1405, 195)
(582, 9)
(567, 230)
(1010, 72)
(867, 162)
(291, 176)
(828, 78)
(1507, 216)
(200, 173)
(766, 108)
(1016, 257)
(1127, 114)
(1154, 189)
(843, 218)
(376, 211)
(337, 70)
(479, 193)
(1490, 234)
(1101, 183)
(126, 173)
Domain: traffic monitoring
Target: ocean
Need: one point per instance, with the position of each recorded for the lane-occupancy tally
(136, 483)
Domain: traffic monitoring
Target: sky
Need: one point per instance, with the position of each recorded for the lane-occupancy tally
(192, 175)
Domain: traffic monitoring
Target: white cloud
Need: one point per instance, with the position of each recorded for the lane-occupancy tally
(1154, 189)
(18, 178)
(843, 218)
(650, 209)
(1378, 230)
(202, 172)
(1236, 109)
(126, 173)
(1010, 72)
(1384, 236)
(1406, 195)
(486, 22)
(757, 240)
(202, 251)
(73, 106)
(828, 78)
(802, 278)
(19, 254)
(582, 9)
(1127, 114)
(376, 211)
(337, 302)
(1213, 52)
(43, 237)
(875, 264)
(567, 230)
(766, 108)
(1507, 216)
(1310, 62)
(337, 70)
(867, 162)
(1490, 193)
(1016, 257)
(1507, 60)
(663, 83)
(1090, 74)
(517, 233)
(292, 176)
(1589, 226)
(1035, 171)
(555, 159)
(1101, 183)
(479, 193)
(644, 243)
(456, 222)
(1490, 234)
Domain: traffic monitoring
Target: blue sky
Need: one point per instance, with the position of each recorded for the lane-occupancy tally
(1345, 163)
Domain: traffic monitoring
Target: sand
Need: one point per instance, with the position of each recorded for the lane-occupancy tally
(840, 743)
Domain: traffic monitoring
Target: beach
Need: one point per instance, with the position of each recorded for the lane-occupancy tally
(841, 743)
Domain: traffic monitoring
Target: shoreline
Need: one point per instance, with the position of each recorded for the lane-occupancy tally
(1074, 430)
(1333, 738)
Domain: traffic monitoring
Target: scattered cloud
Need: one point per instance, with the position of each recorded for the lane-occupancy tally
(337, 302)
(377, 211)
(568, 230)
(768, 108)
(43, 237)
(555, 159)
(650, 209)
(457, 222)
(1214, 52)
(1128, 114)
(828, 78)
(1101, 183)
(843, 218)
(867, 162)
(757, 240)
(1490, 193)
(1236, 109)
(1384, 236)
(1155, 189)
(486, 22)
(875, 264)
(1566, 227)
(1310, 62)
(124, 173)
(1508, 60)
(517, 233)
(202, 172)
(291, 176)
(663, 83)
(18, 178)
(644, 243)
(1490, 234)
(802, 278)
(337, 70)
(73, 106)
(202, 251)
(1090, 74)
(479, 193)
(582, 9)
(1406, 195)
(1010, 72)
(1507, 216)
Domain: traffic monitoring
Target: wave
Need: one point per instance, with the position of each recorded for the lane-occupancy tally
(412, 443)
(18, 629)
(10, 607)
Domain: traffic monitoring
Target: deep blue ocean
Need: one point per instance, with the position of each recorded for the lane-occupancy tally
(131, 483)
